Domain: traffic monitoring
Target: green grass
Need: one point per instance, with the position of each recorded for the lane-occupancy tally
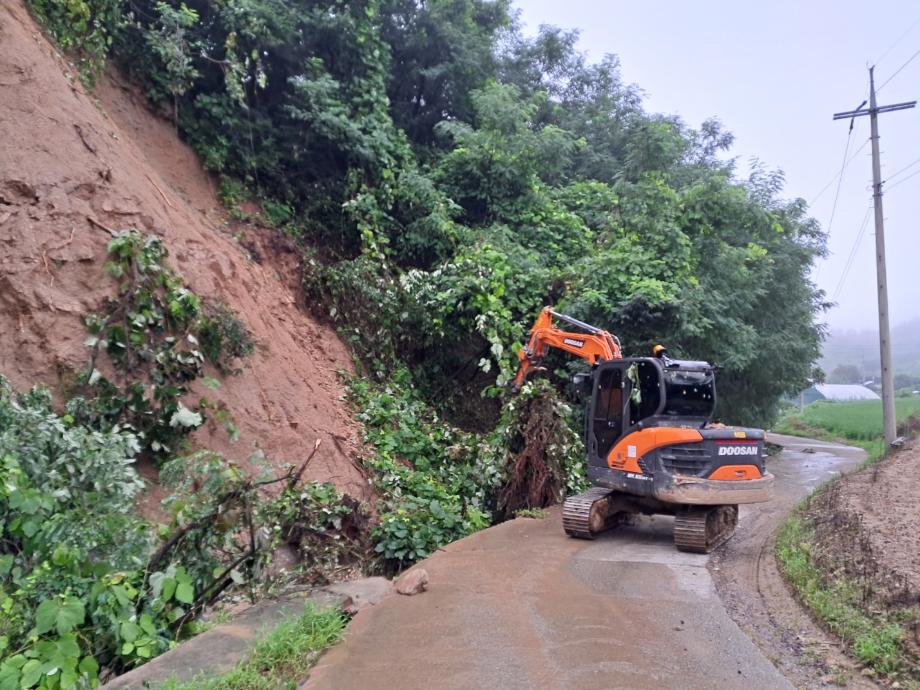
(281, 659)
(875, 638)
(858, 422)
(533, 513)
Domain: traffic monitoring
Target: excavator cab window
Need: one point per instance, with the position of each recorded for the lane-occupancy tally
(607, 409)
(627, 392)
(691, 392)
(645, 394)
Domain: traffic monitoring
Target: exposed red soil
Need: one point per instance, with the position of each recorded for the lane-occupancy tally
(73, 163)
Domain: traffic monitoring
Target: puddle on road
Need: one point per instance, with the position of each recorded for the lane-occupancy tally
(797, 468)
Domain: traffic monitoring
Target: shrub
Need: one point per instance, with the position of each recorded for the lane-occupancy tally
(158, 335)
(85, 27)
(71, 549)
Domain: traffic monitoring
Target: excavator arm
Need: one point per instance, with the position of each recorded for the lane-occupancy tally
(594, 345)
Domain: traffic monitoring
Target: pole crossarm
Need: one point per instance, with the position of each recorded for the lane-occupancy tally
(859, 112)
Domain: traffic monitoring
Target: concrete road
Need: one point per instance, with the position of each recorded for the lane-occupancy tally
(521, 605)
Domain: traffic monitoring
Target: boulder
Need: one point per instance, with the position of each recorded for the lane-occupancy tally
(413, 582)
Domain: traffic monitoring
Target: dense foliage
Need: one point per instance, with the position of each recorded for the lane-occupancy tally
(458, 175)
(72, 551)
(450, 176)
(440, 482)
(158, 335)
(89, 589)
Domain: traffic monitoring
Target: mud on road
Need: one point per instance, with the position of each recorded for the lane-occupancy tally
(521, 605)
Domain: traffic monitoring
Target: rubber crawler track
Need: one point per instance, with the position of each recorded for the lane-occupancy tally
(576, 513)
(700, 530)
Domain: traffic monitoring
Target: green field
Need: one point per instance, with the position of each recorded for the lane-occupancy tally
(858, 422)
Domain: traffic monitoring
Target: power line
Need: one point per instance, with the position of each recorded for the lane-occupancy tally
(834, 178)
(843, 167)
(909, 165)
(898, 40)
(852, 255)
(905, 179)
(897, 71)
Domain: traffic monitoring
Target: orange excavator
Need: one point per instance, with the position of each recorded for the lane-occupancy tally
(651, 446)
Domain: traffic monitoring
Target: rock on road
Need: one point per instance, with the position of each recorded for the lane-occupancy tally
(521, 605)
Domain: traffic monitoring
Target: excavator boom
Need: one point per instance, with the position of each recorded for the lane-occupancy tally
(594, 345)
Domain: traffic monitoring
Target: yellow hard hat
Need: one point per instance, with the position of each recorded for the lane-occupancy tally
(659, 349)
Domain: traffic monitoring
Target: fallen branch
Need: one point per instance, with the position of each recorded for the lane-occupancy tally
(294, 478)
(210, 593)
(177, 536)
(162, 194)
(95, 222)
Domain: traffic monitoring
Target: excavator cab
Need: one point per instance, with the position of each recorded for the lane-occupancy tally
(648, 433)
(639, 392)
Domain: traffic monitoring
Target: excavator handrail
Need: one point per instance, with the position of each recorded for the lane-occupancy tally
(597, 345)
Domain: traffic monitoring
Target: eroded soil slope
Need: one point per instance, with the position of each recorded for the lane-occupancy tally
(73, 163)
(870, 527)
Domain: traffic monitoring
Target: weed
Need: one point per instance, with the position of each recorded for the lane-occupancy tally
(233, 194)
(534, 513)
(281, 659)
(841, 677)
(276, 213)
(875, 638)
(223, 337)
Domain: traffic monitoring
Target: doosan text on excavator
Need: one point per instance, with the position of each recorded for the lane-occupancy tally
(651, 446)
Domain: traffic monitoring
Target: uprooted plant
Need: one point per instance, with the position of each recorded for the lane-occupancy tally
(546, 456)
(438, 483)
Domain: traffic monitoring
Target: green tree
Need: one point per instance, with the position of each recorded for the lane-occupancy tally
(441, 52)
(168, 40)
(848, 373)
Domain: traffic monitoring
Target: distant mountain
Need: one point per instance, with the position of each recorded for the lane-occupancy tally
(860, 349)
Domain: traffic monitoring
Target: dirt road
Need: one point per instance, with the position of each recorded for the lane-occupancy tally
(750, 585)
(523, 606)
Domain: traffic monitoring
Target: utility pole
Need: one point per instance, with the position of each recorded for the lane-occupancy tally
(884, 332)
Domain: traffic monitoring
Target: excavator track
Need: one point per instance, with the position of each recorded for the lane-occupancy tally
(586, 515)
(702, 529)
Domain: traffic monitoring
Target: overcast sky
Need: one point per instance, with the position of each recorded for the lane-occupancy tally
(774, 73)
